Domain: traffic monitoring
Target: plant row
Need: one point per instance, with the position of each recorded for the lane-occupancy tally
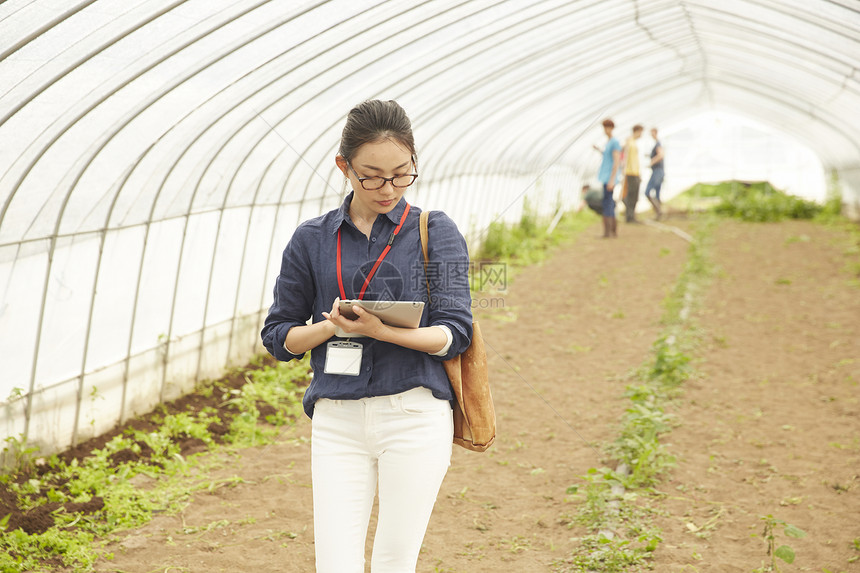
(621, 535)
(53, 510)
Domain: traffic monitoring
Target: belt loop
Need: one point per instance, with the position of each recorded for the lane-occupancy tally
(393, 399)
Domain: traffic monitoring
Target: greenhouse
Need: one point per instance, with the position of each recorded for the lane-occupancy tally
(157, 155)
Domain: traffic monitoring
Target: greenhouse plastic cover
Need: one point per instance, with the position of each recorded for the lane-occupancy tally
(155, 155)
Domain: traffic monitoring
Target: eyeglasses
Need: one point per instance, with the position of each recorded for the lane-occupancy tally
(374, 183)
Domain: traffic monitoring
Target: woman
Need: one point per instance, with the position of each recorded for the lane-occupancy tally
(387, 423)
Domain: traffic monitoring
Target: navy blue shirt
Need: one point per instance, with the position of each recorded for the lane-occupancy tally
(307, 286)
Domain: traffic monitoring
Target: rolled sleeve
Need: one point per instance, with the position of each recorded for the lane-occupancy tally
(293, 300)
(449, 339)
(450, 299)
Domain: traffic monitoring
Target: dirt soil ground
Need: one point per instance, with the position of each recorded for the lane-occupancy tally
(770, 426)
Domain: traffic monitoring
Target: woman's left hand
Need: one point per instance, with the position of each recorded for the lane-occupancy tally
(365, 325)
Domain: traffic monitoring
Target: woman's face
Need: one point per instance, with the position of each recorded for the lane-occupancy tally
(386, 158)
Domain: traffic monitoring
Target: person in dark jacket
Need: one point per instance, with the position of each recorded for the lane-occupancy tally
(657, 174)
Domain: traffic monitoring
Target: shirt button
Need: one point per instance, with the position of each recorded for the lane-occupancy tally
(373, 239)
(367, 369)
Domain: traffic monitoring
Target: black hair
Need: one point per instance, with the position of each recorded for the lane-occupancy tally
(372, 121)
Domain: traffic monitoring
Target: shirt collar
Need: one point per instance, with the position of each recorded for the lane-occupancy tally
(342, 214)
(395, 214)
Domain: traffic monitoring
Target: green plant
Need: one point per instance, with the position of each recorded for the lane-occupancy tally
(18, 452)
(595, 495)
(783, 552)
(671, 366)
(15, 394)
(832, 209)
(46, 551)
(611, 554)
(855, 543)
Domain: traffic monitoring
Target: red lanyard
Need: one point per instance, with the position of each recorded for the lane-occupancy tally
(378, 261)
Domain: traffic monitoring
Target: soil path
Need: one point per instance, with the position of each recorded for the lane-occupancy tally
(773, 419)
(773, 426)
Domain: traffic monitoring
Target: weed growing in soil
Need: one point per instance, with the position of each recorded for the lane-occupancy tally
(611, 554)
(783, 552)
(54, 509)
(622, 537)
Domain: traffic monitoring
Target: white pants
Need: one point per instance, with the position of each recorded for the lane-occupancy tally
(403, 440)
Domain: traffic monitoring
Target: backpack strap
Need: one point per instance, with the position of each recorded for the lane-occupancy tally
(424, 235)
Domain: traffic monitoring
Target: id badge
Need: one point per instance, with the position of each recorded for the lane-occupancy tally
(343, 358)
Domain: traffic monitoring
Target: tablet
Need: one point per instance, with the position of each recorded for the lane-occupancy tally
(403, 313)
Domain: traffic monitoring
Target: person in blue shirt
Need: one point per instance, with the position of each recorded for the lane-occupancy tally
(379, 399)
(607, 175)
